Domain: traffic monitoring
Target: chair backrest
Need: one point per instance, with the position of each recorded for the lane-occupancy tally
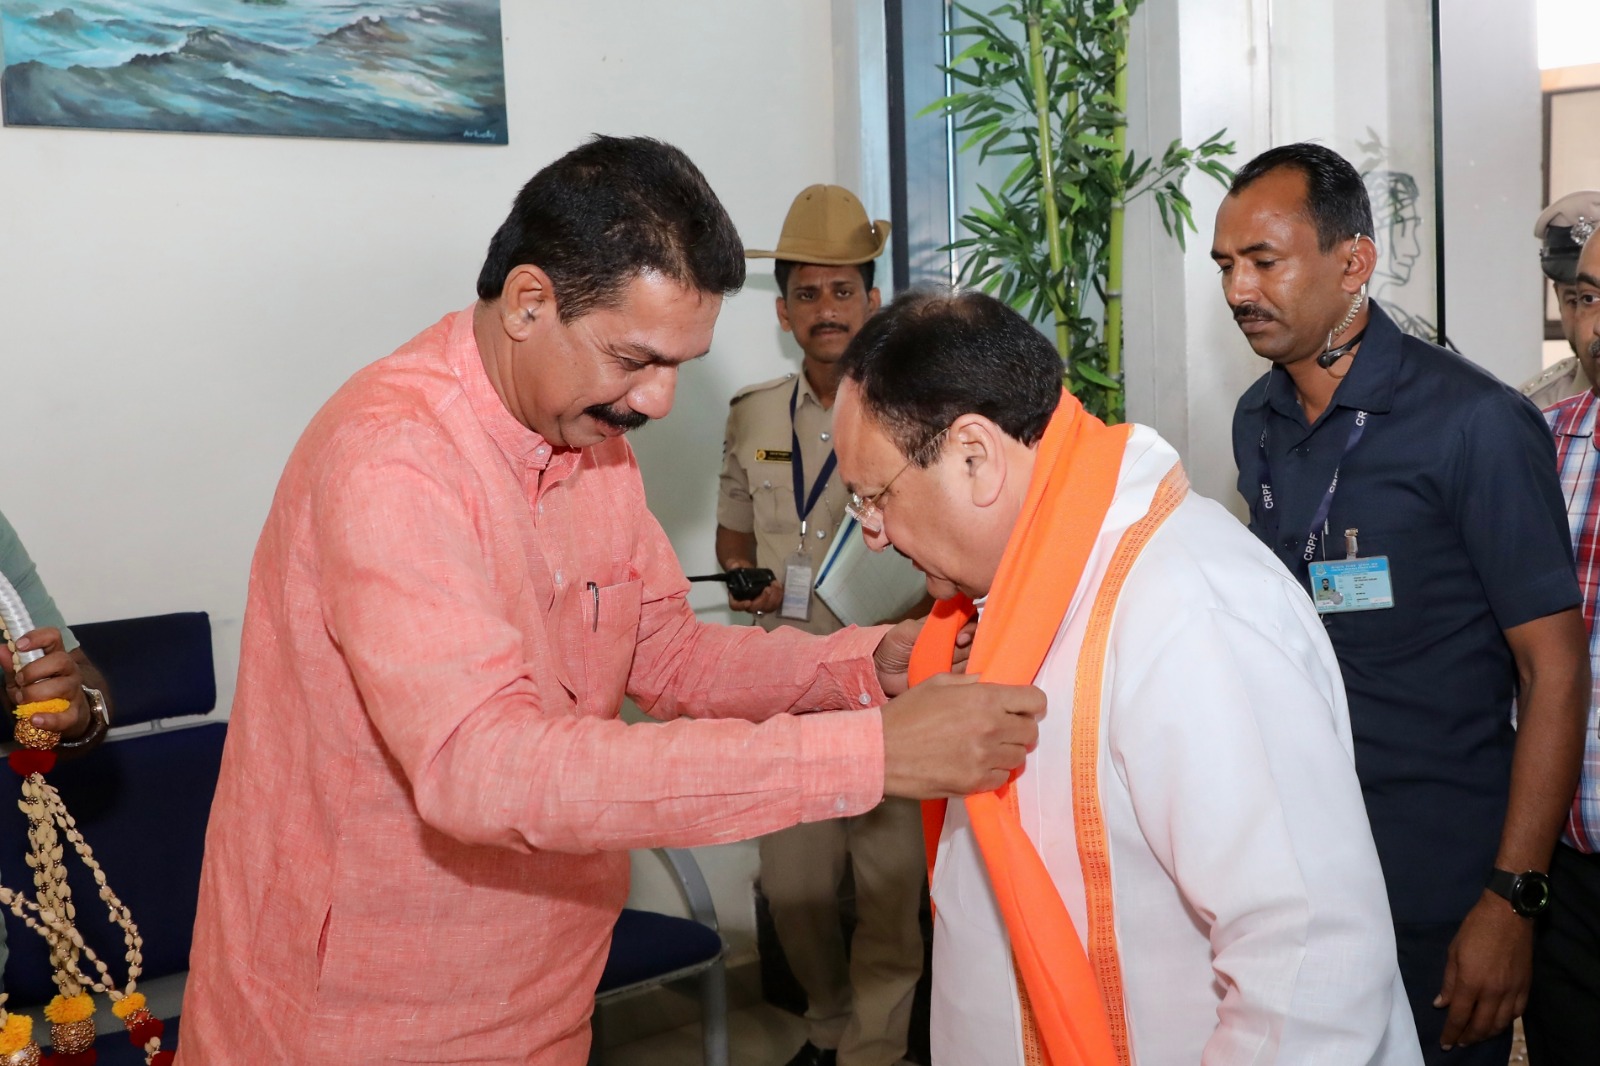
(156, 667)
(141, 801)
(648, 948)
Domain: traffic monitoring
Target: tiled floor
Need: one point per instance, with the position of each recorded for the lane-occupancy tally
(764, 1035)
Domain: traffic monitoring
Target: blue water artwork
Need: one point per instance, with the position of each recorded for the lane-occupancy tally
(428, 71)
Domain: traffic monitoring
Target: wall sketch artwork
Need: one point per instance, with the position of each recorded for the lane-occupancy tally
(428, 71)
(1395, 196)
(1357, 76)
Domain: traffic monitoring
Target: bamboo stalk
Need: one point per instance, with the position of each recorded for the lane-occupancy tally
(1047, 173)
(1113, 320)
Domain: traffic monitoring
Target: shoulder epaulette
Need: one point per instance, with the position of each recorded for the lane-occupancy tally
(751, 390)
(1550, 374)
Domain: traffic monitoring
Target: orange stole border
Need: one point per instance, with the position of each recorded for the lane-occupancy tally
(1094, 849)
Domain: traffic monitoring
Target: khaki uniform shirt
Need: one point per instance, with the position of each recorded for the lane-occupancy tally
(756, 491)
(1556, 382)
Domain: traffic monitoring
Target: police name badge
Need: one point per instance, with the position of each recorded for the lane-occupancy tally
(1342, 585)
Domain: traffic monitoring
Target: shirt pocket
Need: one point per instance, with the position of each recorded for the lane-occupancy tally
(1388, 631)
(611, 633)
(773, 500)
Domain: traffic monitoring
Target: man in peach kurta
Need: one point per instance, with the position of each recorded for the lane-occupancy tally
(419, 840)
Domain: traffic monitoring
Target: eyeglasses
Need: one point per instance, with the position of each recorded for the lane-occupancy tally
(866, 511)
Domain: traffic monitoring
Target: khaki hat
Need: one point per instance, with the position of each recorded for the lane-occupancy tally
(827, 226)
(1564, 227)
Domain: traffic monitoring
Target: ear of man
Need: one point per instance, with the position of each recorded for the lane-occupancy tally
(981, 445)
(1361, 263)
(526, 296)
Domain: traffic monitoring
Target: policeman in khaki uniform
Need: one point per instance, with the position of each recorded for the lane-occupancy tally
(779, 506)
(1563, 227)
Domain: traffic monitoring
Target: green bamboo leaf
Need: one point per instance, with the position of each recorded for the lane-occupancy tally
(987, 23)
(1095, 375)
(978, 135)
(953, 102)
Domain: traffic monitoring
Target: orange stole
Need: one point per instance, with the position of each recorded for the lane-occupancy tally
(1074, 480)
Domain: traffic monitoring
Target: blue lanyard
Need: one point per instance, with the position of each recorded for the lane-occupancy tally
(803, 503)
(1320, 519)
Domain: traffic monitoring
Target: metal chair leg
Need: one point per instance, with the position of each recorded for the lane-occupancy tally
(714, 1014)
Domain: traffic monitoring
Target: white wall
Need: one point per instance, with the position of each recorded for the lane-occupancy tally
(1493, 187)
(1196, 66)
(175, 308)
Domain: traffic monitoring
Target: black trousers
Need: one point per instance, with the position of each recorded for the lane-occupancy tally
(1424, 950)
(1562, 1022)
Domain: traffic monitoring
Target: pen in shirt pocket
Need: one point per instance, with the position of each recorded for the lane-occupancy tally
(595, 590)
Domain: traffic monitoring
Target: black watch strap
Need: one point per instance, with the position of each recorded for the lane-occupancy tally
(1527, 892)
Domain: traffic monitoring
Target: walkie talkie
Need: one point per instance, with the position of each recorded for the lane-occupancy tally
(744, 583)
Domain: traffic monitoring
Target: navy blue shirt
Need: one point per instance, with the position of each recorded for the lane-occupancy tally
(1454, 479)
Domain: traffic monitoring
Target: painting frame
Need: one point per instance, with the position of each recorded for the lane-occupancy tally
(378, 70)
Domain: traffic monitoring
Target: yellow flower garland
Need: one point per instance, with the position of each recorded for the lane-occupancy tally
(128, 1004)
(28, 710)
(64, 1010)
(16, 1034)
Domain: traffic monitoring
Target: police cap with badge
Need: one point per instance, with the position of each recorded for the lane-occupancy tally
(1564, 227)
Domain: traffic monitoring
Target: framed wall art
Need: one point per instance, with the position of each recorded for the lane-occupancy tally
(430, 71)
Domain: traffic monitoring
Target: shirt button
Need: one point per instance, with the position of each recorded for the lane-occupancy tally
(541, 451)
(865, 699)
(826, 437)
(766, 484)
(821, 533)
(840, 805)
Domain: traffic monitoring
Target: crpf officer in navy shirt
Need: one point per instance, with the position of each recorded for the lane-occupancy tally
(1424, 492)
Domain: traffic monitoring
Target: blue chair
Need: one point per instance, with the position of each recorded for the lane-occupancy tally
(650, 949)
(142, 801)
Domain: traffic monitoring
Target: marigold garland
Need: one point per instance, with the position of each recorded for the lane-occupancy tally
(16, 1034)
(66, 1009)
(28, 710)
(71, 1013)
(128, 1004)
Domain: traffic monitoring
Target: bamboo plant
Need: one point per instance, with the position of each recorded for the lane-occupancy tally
(1047, 81)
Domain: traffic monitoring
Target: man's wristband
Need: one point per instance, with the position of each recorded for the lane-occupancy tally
(99, 721)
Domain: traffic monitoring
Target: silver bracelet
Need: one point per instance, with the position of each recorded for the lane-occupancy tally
(99, 721)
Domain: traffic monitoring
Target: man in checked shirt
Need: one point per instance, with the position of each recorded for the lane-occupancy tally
(1562, 1021)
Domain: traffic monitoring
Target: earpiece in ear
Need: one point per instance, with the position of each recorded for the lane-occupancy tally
(1354, 245)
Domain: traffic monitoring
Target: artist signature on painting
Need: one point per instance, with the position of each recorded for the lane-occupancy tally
(480, 135)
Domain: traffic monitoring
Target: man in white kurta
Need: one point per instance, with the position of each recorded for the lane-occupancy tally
(1251, 923)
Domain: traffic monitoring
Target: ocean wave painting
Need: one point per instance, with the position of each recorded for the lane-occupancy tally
(418, 71)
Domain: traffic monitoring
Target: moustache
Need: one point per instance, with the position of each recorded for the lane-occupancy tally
(827, 327)
(623, 420)
(1594, 348)
(1248, 312)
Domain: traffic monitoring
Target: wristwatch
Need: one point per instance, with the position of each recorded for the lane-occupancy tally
(1528, 893)
(99, 721)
